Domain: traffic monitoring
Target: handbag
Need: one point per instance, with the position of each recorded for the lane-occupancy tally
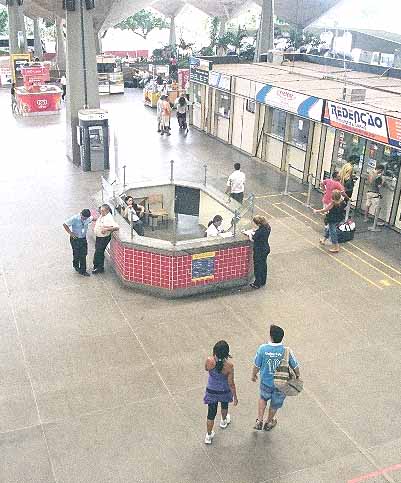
(285, 379)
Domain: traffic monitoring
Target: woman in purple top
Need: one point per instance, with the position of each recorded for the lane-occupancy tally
(220, 387)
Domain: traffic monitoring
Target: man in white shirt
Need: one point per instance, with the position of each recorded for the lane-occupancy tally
(236, 184)
(104, 226)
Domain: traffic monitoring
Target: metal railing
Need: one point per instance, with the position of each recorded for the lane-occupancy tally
(287, 177)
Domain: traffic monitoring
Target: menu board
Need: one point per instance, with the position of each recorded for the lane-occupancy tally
(203, 266)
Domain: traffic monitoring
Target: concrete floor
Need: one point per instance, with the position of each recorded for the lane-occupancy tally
(101, 384)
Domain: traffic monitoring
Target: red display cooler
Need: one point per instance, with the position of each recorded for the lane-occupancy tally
(39, 100)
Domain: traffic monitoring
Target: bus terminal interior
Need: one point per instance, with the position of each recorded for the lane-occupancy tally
(101, 383)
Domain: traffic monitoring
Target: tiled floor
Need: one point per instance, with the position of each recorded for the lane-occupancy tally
(102, 384)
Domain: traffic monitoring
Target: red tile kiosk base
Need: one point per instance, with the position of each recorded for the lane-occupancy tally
(185, 267)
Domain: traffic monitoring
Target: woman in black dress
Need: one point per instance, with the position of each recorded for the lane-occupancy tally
(261, 249)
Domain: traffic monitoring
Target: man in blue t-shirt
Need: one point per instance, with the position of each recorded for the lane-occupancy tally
(268, 357)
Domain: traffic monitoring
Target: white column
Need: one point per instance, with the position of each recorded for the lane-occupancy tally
(266, 29)
(172, 38)
(16, 28)
(60, 45)
(37, 41)
(82, 81)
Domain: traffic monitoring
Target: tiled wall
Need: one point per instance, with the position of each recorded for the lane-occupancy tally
(175, 272)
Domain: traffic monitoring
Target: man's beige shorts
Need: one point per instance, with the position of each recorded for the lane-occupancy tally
(372, 200)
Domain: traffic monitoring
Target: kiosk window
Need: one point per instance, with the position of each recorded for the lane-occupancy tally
(196, 93)
(223, 102)
(299, 132)
(349, 148)
(251, 105)
(278, 123)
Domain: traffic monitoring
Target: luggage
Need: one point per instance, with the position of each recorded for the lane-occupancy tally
(346, 231)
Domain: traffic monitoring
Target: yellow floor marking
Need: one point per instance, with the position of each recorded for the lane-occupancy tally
(302, 214)
(386, 283)
(348, 251)
(268, 196)
(321, 249)
(376, 259)
(345, 249)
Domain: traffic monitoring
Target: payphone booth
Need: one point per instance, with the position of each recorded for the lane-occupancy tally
(93, 139)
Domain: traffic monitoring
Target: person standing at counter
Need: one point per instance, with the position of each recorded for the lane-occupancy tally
(329, 185)
(214, 226)
(261, 250)
(77, 228)
(136, 212)
(236, 184)
(335, 214)
(373, 196)
(104, 227)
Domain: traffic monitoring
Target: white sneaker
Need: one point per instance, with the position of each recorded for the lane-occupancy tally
(209, 438)
(225, 422)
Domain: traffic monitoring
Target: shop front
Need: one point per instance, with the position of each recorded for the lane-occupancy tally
(221, 107)
(244, 115)
(199, 92)
(366, 140)
(288, 125)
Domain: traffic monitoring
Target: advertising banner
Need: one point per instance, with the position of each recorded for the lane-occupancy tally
(220, 81)
(300, 104)
(359, 121)
(394, 131)
(183, 78)
(203, 266)
(38, 103)
(17, 61)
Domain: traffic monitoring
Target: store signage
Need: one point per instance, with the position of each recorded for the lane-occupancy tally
(199, 75)
(203, 266)
(394, 131)
(300, 104)
(220, 81)
(359, 121)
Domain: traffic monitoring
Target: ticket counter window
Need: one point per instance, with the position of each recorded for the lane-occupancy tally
(223, 103)
(379, 154)
(278, 123)
(197, 93)
(299, 132)
(349, 148)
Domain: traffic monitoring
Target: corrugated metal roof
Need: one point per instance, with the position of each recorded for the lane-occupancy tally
(382, 93)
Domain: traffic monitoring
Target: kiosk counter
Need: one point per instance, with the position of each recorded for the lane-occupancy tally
(186, 267)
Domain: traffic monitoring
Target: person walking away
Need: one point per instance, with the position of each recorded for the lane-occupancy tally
(261, 250)
(166, 114)
(214, 227)
(268, 357)
(77, 228)
(328, 186)
(220, 387)
(374, 184)
(236, 184)
(63, 82)
(134, 212)
(335, 214)
(104, 227)
(159, 110)
(182, 109)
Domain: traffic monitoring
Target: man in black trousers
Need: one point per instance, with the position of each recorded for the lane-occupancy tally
(104, 227)
(77, 228)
